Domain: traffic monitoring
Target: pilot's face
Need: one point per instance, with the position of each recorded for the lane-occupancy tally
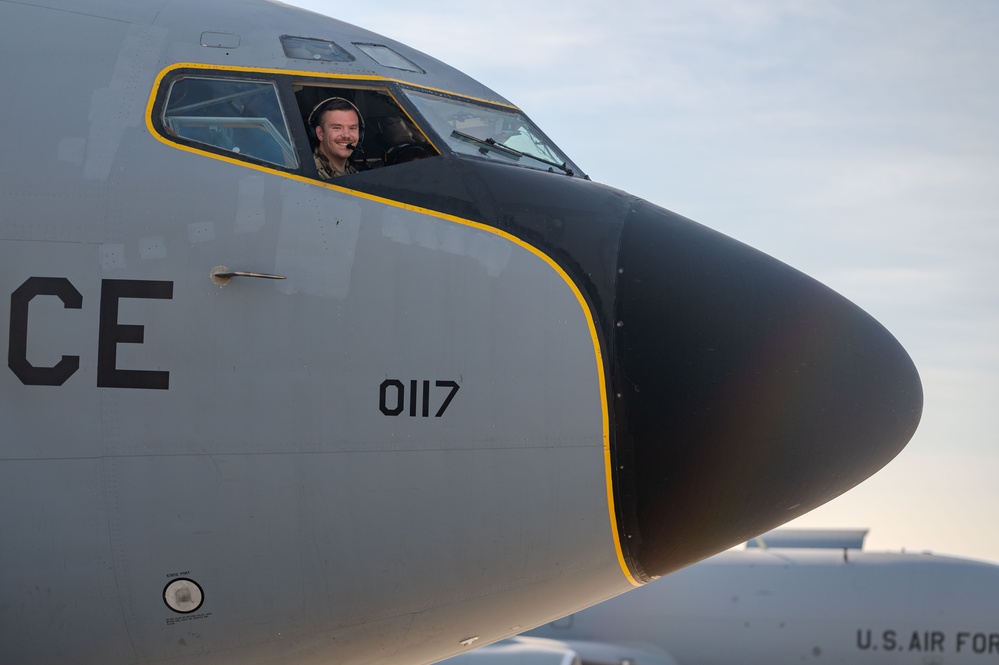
(339, 129)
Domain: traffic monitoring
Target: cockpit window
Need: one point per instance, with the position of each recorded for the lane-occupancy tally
(387, 135)
(386, 57)
(268, 118)
(502, 134)
(303, 48)
(239, 116)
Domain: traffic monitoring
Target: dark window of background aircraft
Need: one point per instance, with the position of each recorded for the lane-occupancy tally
(238, 116)
(303, 48)
(386, 57)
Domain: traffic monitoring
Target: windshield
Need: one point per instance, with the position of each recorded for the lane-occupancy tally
(495, 133)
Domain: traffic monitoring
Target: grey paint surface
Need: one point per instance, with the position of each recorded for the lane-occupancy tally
(760, 606)
(262, 446)
(317, 527)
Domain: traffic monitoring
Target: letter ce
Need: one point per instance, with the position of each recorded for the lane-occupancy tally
(111, 334)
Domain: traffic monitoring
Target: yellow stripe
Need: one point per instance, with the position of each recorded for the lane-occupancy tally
(598, 354)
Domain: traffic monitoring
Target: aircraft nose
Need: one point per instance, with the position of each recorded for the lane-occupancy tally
(746, 392)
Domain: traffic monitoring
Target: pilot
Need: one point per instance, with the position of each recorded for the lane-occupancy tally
(338, 128)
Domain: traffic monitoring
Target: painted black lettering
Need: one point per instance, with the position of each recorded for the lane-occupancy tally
(863, 639)
(383, 397)
(450, 396)
(419, 398)
(961, 639)
(17, 348)
(113, 333)
(927, 640)
(979, 642)
(889, 641)
(993, 642)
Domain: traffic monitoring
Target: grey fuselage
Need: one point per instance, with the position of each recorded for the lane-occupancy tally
(251, 416)
(777, 606)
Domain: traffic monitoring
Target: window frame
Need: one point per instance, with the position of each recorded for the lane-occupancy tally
(286, 83)
(386, 87)
(158, 107)
(529, 162)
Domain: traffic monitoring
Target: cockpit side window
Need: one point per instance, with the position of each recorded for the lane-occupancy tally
(240, 116)
(265, 119)
(389, 135)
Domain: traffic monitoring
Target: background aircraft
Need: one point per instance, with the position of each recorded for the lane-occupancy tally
(250, 416)
(792, 596)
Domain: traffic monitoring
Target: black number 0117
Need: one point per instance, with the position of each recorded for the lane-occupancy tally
(394, 396)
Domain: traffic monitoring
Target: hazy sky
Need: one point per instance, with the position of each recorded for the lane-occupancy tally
(856, 140)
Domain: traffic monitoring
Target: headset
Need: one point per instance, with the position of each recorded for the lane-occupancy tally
(336, 104)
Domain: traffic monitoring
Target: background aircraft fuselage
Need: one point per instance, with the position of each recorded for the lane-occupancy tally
(765, 607)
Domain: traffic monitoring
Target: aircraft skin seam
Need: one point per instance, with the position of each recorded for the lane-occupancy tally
(588, 314)
(344, 451)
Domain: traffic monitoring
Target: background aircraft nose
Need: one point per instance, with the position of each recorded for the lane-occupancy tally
(747, 392)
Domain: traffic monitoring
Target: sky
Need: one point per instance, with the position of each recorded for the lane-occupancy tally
(856, 140)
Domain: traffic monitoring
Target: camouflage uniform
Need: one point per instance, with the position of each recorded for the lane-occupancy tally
(326, 170)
